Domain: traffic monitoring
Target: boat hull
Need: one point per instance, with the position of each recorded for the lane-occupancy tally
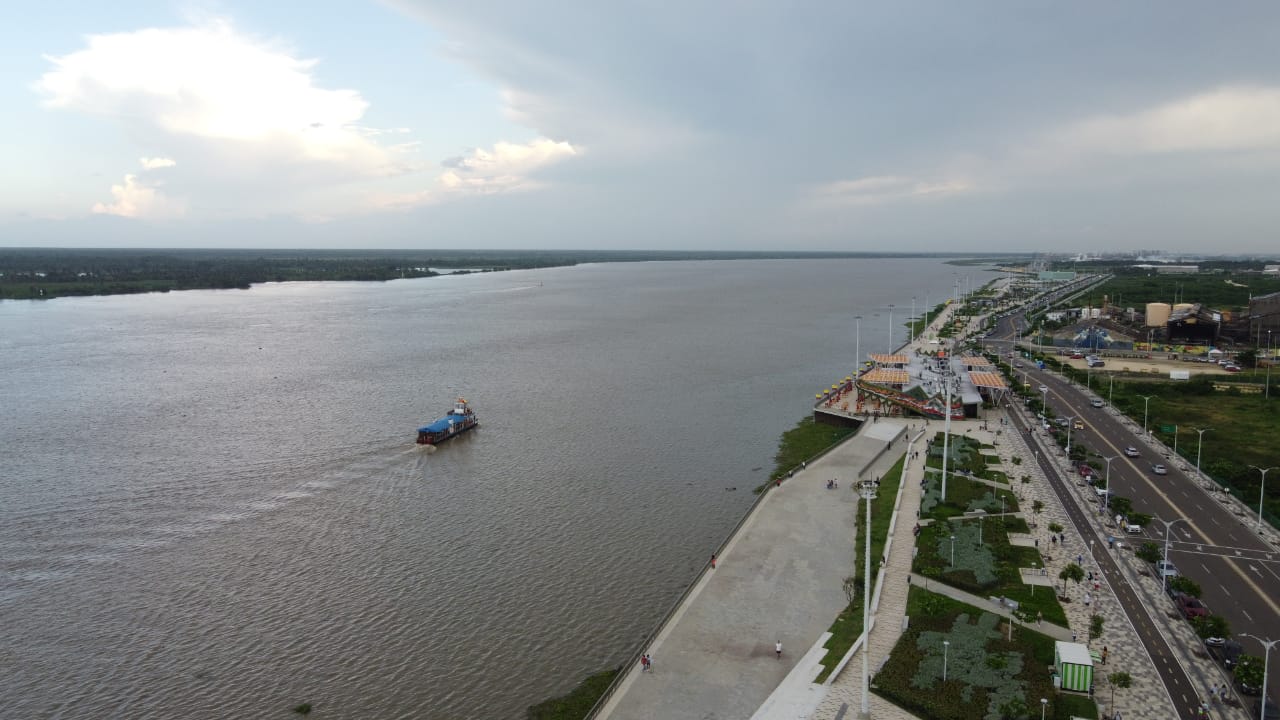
(435, 438)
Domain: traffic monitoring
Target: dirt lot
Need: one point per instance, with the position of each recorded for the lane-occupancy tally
(1159, 364)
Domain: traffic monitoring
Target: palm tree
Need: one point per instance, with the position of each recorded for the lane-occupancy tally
(1071, 572)
(1118, 680)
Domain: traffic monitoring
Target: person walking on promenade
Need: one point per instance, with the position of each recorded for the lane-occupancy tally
(777, 648)
(1104, 654)
(713, 561)
(645, 664)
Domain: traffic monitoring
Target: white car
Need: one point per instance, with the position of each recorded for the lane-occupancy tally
(1131, 451)
(1096, 403)
(1166, 569)
(1159, 470)
(1044, 388)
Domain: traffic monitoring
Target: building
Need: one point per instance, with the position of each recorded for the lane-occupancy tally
(1264, 319)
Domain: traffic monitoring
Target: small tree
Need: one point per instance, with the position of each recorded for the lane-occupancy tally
(1095, 627)
(1121, 505)
(1139, 519)
(1071, 572)
(1184, 584)
(1055, 528)
(1249, 670)
(1037, 507)
(1149, 551)
(851, 586)
(1207, 626)
(1118, 680)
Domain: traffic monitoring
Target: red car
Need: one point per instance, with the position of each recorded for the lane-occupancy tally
(1191, 607)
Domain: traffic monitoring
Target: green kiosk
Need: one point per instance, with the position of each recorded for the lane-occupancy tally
(1073, 665)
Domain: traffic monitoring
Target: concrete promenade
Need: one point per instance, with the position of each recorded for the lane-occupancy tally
(778, 580)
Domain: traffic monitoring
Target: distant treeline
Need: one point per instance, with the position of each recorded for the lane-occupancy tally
(30, 273)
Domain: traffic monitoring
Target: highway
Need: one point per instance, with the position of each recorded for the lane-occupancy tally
(1237, 571)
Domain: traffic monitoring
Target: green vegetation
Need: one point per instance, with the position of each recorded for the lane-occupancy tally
(848, 624)
(986, 672)
(1207, 626)
(1249, 670)
(1184, 584)
(1120, 680)
(802, 443)
(303, 709)
(1148, 551)
(577, 703)
(985, 563)
(1228, 288)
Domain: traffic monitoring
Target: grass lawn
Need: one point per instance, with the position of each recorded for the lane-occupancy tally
(802, 443)
(848, 624)
(988, 675)
(986, 568)
(577, 703)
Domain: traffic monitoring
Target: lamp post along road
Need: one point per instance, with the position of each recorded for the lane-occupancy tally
(1168, 530)
(946, 428)
(1071, 420)
(1106, 499)
(868, 491)
(953, 551)
(1199, 443)
(1262, 492)
(945, 645)
(1111, 388)
(1146, 401)
(1266, 667)
(1175, 439)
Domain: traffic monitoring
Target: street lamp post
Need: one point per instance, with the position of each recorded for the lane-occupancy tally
(1175, 439)
(1106, 499)
(980, 528)
(1261, 492)
(1044, 401)
(1266, 667)
(1044, 703)
(946, 424)
(1199, 442)
(945, 644)
(857, 347)
(890, 328)
(1111, 388)
(1071, 420)
(953, 551)
(1146, 401)
(1168, 530)
(868, 492)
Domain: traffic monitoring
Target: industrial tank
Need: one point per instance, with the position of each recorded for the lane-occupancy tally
(1183, 307)
(1157, 314)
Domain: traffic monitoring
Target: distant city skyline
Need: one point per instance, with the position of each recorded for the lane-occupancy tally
(843, 127)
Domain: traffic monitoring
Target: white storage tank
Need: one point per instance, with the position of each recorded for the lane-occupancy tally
(1183, 307)
(1158, 314)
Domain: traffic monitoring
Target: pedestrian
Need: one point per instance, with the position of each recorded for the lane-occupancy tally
(644, 663)
(1104, 654)
(1087, 599)
(1073, 637)
(777, 648)
(1079, 559)
(713, 561)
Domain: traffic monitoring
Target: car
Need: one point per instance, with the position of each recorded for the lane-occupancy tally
(1191, 607)
(1227, 652)
(1159, 469)
(1086, 470)
(1017, 364)
(1164, 568)
(1132, 529)
(1131, 451)
(1096, 402)
(1044, 388)
(1077, 356)
(1078, 425)
(1231, 368)
(1103, 492)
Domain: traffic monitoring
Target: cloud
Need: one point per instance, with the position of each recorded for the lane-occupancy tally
(256, 132)
(508, 167)
(134, 199)
(156, 163)
(883, 189)
(1227, 119)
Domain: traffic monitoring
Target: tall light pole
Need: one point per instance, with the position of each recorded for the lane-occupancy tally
(1070, 423)
(1044, 703)
(946, 427)
(1146, 401)
(1175, 439)
(1261, 492)
(868, 491)
(890, 328)
(1106, 499)
(1111, 388)
(945, 644)
(1044, 402)
(857, 347)
(1168, 530)
(1199, 442)
(953, 551)
(1266, 667)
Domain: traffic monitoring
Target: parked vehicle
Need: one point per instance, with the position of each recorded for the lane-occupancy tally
(1132, 529)
(1165, 568)
(1227, 653)
(1159, 469)
(1191, 607)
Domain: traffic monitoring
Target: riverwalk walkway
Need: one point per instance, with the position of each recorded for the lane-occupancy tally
(779, 580)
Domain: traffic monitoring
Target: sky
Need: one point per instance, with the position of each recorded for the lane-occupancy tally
(917, 126)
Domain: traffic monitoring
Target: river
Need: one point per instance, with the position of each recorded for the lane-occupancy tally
(211, 505)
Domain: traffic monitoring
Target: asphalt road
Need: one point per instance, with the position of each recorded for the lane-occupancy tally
(1238, 573)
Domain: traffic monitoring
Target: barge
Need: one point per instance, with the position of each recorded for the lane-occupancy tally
(459, 420)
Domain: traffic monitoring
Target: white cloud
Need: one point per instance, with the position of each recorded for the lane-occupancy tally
(881, 189)
(1221, 120)
(508, 167)
(133, 199)
(156, 163)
